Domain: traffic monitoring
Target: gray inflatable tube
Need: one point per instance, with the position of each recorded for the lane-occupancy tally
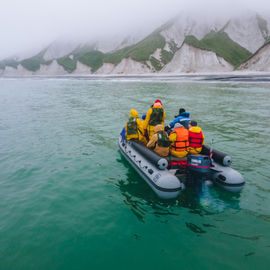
(227, 178)
(152, 168)
(219, 157)
(160, 162)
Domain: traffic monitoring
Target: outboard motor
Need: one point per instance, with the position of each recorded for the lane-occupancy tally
(199, 163)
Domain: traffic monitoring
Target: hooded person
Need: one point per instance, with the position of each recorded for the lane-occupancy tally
(196, 138)
(155, 116)
(182, 118)
(160, 141)
(134, 127)
(180, 143)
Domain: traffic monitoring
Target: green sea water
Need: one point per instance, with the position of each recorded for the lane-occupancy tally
(68, 200)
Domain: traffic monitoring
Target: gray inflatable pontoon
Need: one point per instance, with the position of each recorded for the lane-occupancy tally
(152, 168)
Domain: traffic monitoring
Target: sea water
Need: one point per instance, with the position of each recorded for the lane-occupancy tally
(68, 200)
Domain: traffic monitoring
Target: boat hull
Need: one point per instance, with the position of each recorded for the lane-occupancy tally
(164, 183)
(227, 178)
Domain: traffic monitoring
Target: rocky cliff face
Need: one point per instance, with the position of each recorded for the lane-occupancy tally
(184, 44)
(45, 70)
(185, 25)
(126, 66)
(246, 31)
(191, 59)
(259, 62)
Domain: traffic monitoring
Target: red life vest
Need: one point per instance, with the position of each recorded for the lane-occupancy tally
(195, 139)
(181, 143)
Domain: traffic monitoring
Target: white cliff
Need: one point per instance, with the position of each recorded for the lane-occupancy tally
(126, 66)
(249, 30)
(157, 54)
(53, 69)
(245, 31)
(59, 49)
(259, 62)
(50, 70)
(82, 69)
(185, 25)
(191, 59)
(19, 71)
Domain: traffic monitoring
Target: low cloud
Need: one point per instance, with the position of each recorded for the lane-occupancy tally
(32, 24)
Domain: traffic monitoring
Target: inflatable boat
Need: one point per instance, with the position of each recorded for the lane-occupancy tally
(165, 176)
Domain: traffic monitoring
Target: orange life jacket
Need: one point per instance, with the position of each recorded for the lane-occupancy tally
(195, 139)
(181, 143)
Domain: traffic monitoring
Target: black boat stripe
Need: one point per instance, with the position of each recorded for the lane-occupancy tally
(228, 184)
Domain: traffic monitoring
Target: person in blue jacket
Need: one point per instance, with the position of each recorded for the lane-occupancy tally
(183, 118)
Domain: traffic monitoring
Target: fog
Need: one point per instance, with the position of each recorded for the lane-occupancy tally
(33, 24)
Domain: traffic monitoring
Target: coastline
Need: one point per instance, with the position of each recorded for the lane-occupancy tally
(235, 76)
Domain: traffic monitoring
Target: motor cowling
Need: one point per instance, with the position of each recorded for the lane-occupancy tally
(199, 163)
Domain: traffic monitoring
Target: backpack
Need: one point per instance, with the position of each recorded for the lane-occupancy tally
(163, 139)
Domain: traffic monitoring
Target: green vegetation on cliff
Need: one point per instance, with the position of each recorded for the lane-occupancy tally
(93, 59)
(33, 63)
(142, 50)
(167, 56)
(222, 45)
(67, 63)
(116, 57)
(156, 63)
(8, 62)
(139, 52)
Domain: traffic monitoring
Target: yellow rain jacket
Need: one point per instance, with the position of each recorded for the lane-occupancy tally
(150, 122)
(162, 151)
(196, 140)
(134, 127)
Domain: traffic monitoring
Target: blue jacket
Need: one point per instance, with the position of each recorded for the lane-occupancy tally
(123, 134)
(182, 118)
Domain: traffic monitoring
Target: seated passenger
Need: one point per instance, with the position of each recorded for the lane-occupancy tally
(154, 116)
(134, 128)
(196, 138)
(182, 118)
(179, 139)
(160, 141)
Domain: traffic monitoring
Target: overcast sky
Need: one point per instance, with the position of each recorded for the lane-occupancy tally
(27, 24)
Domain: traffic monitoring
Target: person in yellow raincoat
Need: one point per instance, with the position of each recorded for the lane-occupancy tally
(155, 116)
(134, 127)
(180, 143)
(160, 141)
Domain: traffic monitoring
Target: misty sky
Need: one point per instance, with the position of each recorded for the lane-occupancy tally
(28, 24)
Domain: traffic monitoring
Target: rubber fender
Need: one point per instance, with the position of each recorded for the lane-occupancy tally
(219, 157)
(158, 161)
